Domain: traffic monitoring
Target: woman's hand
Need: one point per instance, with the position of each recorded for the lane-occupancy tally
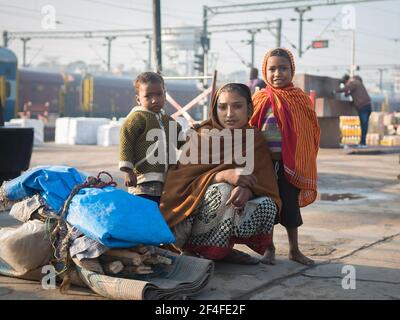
(130, 179)
(234, 178)
(239, 197)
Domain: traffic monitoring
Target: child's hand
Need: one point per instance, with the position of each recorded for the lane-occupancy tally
(130, 179)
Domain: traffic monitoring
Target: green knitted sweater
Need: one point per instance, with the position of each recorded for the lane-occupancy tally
(137, 152)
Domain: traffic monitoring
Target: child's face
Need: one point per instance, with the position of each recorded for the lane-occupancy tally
(279, 72)
(151, 96)
(232, 110)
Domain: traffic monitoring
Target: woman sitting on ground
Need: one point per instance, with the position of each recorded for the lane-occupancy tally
(212, 206)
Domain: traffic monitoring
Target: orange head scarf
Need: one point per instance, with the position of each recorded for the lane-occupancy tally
(186, 184)
(298, 123)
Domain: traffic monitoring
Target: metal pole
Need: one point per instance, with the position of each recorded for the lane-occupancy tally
(205, 57)
(5, 38)
(353, 53)
(109, 40)
(381, 70)
(149, 55)
(301, 12)
(24, 41)
(252, 43)
(157, 35)
(278, 32)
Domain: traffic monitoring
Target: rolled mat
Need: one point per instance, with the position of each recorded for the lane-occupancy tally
(185, 277)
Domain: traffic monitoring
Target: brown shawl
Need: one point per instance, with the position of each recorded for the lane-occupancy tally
(186, 184)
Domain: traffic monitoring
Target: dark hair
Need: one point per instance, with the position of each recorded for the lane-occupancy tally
(239, 88)
(345, 78)
(281, 53)
(148, 77)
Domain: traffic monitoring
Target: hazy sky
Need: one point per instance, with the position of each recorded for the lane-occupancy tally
(377, 32)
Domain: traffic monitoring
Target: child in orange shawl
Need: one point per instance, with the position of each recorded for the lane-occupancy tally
(286, 117)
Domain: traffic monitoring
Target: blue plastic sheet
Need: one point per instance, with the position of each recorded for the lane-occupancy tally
(109, 215)
(118, 219)
(53, 183)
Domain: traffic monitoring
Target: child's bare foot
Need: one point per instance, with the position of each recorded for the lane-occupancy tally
(269, 256)
(297, 256)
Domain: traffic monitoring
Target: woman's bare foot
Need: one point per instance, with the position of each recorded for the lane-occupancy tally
(297, 256)
(269, 256)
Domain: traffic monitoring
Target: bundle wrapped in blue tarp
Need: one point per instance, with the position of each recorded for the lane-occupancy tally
(53, 183)
(109, 215)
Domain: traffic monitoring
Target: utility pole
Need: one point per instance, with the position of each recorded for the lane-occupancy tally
(381, 70)
(109, 40)
(204, 40)
(205, 44)
(157, 35)
(149, 53)
(5, 38)
(353, 53)
(301, 12)
(278, 32)
(252, 42)
(24, 41)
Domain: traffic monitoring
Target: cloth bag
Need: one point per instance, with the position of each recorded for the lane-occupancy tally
(24, 248)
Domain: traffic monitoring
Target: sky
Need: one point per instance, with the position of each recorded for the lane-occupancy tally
(377, 34)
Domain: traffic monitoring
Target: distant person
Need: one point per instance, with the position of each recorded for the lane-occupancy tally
(255, 82)
(362, 101)
(141, 176)
(287, 119)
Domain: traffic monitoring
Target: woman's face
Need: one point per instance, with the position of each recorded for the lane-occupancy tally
(279, 72)
(232, 110)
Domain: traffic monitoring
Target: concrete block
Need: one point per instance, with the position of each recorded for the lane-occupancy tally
(330, 107)
(84, 130)
(37, 125)
(108, 134)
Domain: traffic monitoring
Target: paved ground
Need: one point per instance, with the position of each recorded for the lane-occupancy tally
(358, 237)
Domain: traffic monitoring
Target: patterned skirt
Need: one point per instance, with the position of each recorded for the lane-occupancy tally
(214, 228)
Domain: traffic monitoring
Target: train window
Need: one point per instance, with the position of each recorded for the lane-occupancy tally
(8, 89)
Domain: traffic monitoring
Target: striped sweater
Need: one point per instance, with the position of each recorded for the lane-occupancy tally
(137, 151)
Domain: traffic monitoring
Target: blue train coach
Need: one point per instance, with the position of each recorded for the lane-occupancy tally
(8, 82)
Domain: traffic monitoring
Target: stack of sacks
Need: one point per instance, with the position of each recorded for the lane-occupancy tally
(37, 126)
(376, 123)
(108, 134)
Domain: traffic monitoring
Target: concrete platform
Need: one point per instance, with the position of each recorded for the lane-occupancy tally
(363, 233)
(371, 150)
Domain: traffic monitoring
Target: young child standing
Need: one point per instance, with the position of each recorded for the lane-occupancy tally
(289, 123)
(143, 177)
